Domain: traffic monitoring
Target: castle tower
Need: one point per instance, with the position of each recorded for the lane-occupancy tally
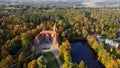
(55, 38)
(54, 28)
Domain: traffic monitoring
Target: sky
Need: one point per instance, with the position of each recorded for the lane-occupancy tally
(67, 0)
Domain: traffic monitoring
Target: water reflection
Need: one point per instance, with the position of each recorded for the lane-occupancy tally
(80, 51)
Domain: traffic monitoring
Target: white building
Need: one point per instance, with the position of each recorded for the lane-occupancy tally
(99, 38)
(112, 43)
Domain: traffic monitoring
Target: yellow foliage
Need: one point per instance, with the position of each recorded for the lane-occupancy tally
(112, 64)
(32, 64)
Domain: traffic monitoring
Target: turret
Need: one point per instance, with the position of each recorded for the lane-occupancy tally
(54, 29)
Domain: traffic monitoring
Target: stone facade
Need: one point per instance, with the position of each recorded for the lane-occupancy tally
(48, 36)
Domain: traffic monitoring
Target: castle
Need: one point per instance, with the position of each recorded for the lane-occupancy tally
(48, 36)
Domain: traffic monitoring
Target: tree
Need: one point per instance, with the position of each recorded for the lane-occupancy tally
(82, 65)
(67, 65)
(15, 45)
(25, 65)
(21, 60)
(25, 40)
(84, 33)
(75, 65)
(32, 64)
(112, 64)
(64, 50)
(63, 34)
(91, 40)
(67, 57)
(41, 61)
(10, 59)
(21, 57)
(64, 53)
(118, 61)
(4, 64)
(95, 46)
(4, 53)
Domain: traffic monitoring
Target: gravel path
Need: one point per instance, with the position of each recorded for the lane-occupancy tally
(55, 52)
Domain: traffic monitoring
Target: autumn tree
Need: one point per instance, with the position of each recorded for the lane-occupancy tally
(64, 49)
(84, 33)
(64, 53)
(25, 40)
(32, 64)
(112, 64)
(82, 65)
(21, 57)
(4, 64)
(10, 59)
(4, 53)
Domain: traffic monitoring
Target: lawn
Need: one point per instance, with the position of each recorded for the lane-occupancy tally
(51, 61)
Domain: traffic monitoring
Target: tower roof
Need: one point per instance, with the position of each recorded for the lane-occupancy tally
(54, 28)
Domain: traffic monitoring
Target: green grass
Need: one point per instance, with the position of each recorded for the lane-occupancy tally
(51, 61)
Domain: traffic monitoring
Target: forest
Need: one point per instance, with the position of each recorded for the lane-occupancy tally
(18, 28)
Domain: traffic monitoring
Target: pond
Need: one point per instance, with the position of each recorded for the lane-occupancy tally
(81, 51)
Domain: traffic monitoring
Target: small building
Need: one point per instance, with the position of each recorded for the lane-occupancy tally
(112, 43)
(100, 40)
(98, 37)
